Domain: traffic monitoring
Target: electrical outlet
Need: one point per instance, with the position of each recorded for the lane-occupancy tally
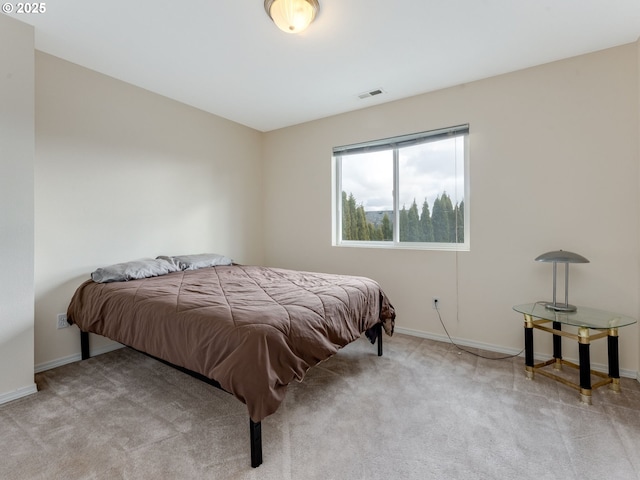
(435, 303)
(62, 321)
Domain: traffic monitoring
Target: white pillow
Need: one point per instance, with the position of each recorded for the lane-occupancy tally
(200, 260)
(133, 270)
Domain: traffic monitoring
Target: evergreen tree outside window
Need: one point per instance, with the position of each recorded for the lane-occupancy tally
(406, 192)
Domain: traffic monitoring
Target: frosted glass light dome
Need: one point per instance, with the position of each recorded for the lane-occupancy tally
(292, 16)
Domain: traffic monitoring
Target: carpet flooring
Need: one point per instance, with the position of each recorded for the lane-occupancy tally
(424, 410)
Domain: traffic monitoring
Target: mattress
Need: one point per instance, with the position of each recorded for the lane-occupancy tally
(252, 329)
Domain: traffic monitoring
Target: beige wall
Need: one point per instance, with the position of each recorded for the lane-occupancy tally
(16, 208)
(554, 165)
(121, 173)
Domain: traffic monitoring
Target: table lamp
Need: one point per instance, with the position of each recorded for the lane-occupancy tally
(560, 256)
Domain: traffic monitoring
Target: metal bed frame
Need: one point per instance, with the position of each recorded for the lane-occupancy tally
(255, 428)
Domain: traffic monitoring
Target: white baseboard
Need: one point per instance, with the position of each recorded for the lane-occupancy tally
(76, 357)
(31, 389)
(19, 393)
(507, 351)
(406, 331)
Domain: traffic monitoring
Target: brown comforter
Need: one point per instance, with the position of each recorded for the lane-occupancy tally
(252, 329)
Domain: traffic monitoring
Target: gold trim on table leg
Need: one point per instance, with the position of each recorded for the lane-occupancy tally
(614, 386)
(529, 372)
(583, 335)
(557, 364)
(585, 396)
(528, 321)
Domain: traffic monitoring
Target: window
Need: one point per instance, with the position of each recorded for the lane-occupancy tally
(407, 192)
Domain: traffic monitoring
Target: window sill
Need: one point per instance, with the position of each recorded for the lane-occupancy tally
(438, 247)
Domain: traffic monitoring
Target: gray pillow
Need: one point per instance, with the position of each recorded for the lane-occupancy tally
(142, 268)
(200, 260)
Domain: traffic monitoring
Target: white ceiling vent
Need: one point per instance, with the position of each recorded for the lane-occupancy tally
(371, 93)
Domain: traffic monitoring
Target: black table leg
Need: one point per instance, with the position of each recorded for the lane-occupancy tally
(557, 346)
(528, 345)
(614, 359)
(585, 365)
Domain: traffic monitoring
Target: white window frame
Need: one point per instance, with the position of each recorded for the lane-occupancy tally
(393, 144)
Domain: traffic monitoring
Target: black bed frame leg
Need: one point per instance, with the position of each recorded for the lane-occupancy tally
(84, 344)
(379, 334)
(255, 438)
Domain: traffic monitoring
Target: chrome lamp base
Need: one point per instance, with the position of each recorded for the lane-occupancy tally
(561, 257)
(560, 307)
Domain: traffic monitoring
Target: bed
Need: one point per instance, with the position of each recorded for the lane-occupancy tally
(249, 330)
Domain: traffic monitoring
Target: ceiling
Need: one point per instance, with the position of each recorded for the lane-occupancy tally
(228, 58)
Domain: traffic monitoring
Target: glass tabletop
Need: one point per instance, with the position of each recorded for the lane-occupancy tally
(582, 317)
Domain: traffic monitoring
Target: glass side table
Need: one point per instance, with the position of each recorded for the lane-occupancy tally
(606, 324)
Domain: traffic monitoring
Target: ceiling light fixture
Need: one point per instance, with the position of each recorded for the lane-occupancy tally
(292, 16)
